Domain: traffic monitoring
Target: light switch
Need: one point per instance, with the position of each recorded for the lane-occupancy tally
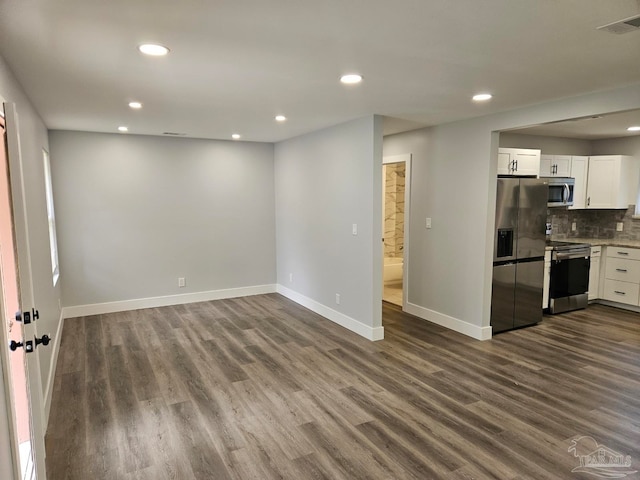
(619, 226)
(354, 229)
(428, 222)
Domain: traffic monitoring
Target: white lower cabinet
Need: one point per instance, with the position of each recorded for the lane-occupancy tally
(622, 275)
(623, 292)
(594, 273)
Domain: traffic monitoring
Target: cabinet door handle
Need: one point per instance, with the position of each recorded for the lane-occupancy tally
(623, 270)
(619, 292)
(588, 201)
(623, 253)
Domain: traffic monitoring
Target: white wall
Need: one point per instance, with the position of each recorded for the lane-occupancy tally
(33, 139)
(445, 272)
(134, 213)
(454, 182)
(618, 146)
(327, 181)
(548, 145)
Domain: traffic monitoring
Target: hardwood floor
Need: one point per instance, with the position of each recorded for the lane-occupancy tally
(261, 388)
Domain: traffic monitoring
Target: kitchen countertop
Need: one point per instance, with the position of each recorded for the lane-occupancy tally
(602, 242)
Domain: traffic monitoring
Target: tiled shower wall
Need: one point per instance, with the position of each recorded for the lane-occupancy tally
(593, 224)
(394, 210)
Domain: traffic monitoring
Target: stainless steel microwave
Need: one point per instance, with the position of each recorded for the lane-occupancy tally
(560, 191)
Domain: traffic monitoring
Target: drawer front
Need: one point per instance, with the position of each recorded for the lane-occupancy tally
(623, 252)
(596, 251)
(623, 292)
(623, 270)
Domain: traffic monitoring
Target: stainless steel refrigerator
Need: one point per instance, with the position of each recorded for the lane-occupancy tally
(518, 253)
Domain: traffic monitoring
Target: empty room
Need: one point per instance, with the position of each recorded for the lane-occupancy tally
(320, 240)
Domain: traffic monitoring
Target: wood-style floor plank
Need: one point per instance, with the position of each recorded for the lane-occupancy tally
(262, 388)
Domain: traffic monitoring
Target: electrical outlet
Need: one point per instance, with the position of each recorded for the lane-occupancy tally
(291, 278)
(337, 299)
(181, 282)
(619, 226)
(573, 227)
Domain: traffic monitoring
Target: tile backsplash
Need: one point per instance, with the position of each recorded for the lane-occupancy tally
(593, 224)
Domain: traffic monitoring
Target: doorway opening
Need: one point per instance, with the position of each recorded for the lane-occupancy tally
(395, 216)
(12, 331)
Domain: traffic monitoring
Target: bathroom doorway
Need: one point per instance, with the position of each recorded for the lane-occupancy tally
(395, 215)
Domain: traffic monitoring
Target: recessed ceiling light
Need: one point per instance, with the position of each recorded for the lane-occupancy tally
(135, 105)
(351, 78)
(236, 136)
(153, 49)
(482, 97)
(635, 128)
(280, 118)
(122, 128)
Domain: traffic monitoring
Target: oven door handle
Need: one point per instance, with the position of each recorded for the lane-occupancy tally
(559, 256)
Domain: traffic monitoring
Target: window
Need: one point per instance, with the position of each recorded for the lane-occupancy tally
(53, 243)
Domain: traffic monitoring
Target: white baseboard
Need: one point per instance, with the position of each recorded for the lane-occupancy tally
(623, 306)
(370, 333)
(460, 326)
(152, 302)
(48, 392)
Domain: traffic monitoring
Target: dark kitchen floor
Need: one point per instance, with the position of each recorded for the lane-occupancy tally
(261, 388)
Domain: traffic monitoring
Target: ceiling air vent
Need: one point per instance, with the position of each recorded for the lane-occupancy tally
(626, 25)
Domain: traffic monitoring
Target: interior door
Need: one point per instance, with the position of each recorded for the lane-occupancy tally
(14, 362)
(17, 292)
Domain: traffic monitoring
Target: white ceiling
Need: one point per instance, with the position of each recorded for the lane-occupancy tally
(235, 64)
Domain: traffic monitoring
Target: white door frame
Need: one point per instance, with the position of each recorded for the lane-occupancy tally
(27, 301)
(9, 456)
(406, 159)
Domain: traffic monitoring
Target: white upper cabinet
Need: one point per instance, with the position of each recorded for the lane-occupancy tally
(579, 171)
(504, 163)
(612, 181)
(555, 165)
(518, 162)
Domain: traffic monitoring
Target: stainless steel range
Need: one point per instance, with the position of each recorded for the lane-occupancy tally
(569, 282)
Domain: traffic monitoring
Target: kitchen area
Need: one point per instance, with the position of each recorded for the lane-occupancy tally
(579, 242)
